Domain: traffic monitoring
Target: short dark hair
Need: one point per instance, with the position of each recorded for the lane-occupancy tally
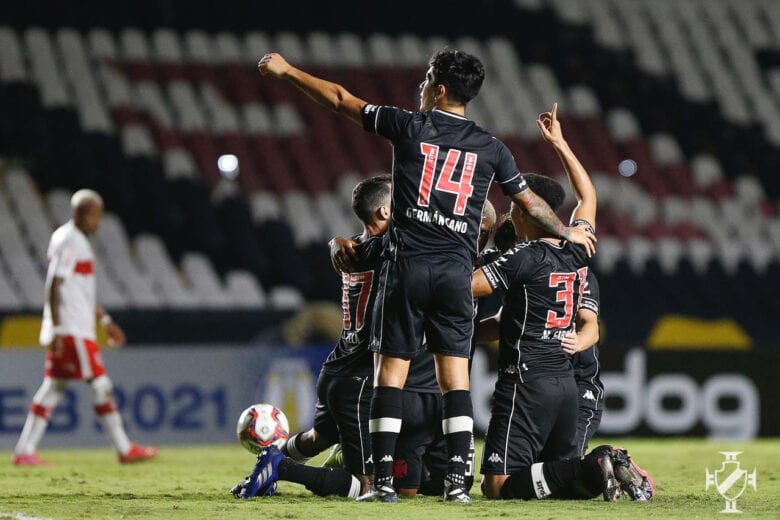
(547, 188)
(461, 73)
(369, 195)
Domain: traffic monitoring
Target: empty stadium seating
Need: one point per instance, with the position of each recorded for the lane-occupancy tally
(143, 115)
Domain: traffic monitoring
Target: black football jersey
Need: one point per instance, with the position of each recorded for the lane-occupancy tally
(543, 283)
(443, 165)
(358, 292)
(351, 356)
(586, 363)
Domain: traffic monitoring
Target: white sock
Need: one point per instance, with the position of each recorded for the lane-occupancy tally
(44, 402)
(112, 424)
(293, 451)
(32, 433)
(355, 488)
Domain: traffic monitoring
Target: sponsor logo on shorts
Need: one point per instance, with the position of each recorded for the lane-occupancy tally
(456, 458)
(495, 458)
(589, 395)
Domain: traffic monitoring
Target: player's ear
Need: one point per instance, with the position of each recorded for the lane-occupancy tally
(441, 91)
(383, 212)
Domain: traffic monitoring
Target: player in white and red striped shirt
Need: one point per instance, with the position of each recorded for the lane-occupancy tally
(68, 331)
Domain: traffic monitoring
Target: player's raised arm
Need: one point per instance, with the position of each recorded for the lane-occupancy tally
(578, 177)
(543, 216)
(328, 94)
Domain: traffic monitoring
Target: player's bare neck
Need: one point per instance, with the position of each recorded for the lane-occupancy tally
(80, 226)
(444, 106)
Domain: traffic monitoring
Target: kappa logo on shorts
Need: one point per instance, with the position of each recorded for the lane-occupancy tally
(589, 395)
(495, 458)
(386, 458)
(456, 458)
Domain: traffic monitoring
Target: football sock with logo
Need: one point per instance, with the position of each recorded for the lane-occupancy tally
(544, 479)
(297, 450)
(457, 425)
(320, 481)
(385, 423)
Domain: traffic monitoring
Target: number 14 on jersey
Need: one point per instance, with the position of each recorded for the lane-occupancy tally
(462, 189)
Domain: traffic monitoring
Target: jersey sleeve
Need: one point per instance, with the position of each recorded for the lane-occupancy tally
(63, 260)
(507, 174)
(513, 265)
(389, 122)
(370, 250)
(590, 295)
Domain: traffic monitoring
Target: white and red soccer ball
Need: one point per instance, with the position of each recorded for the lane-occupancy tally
(260, 426)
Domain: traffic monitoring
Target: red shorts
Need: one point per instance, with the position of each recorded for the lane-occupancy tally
(80, 359)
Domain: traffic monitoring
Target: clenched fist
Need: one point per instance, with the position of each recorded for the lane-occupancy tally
(274, 65)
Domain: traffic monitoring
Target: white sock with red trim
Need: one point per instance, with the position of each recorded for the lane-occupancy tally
(44, 401)
(112, 424)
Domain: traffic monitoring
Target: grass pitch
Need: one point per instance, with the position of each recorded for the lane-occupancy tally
(193, 482)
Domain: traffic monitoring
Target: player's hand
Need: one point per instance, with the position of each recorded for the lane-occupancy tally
(569, 342)
(274, 65)
(57, 346)
(579, 235)
(342, 254)
(550, 126)
(116, 336)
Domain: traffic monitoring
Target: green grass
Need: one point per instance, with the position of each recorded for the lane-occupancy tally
(192, 482)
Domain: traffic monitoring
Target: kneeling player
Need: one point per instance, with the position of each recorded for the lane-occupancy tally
(534, 410)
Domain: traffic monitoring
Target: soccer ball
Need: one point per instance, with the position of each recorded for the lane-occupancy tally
(260, 426)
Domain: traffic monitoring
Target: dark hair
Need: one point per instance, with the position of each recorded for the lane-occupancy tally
(547, 188)
(369, 195)
(461, 73)
(505, 236)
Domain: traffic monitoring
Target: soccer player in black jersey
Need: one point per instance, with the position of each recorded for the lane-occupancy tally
(582, 345)
(443, 165)
(345, 381)
(420, 459)
(529, 448)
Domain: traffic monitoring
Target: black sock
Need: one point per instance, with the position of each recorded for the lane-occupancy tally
(320, 481)
(385, 423)
(457, 424)
(544, 479)
(297, 450)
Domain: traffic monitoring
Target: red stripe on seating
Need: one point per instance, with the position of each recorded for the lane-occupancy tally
(40, 411)
(105, 408)
(85, 267)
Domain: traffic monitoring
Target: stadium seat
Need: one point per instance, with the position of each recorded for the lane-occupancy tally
(244, 290)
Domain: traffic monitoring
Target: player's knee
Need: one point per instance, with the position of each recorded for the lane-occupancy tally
(313, 441)
(49, 393)
(491, 486)
(102, 389)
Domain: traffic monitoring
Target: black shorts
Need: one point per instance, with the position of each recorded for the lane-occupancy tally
(342, 414)
(420, 451)
(530, 422)
(423, 296)
(588, 417)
